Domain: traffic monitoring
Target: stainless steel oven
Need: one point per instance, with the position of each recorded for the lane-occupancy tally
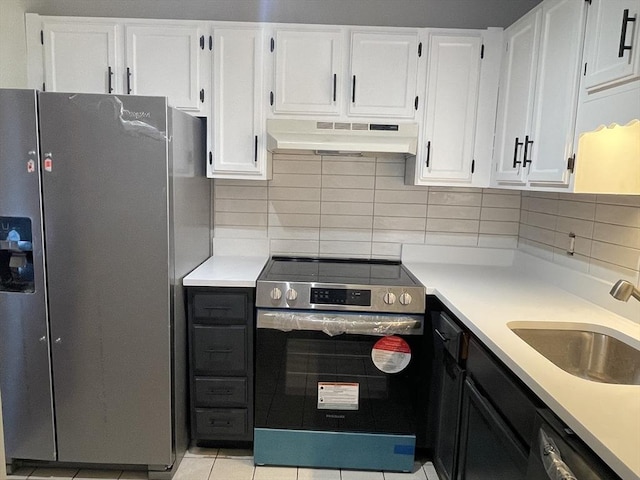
(342, 365)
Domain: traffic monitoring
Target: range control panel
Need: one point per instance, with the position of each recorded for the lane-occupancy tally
(341, 296)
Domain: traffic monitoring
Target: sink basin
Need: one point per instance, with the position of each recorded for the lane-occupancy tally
(584, 353)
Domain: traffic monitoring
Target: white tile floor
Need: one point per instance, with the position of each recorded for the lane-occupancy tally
(226, 464)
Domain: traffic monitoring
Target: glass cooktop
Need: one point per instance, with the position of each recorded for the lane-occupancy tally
(337, 270)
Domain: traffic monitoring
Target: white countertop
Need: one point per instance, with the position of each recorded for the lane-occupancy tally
(487, 298)
(220, 271)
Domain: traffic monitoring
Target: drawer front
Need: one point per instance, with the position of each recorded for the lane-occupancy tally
(221, 392)
(222, 423)
(513, 402)
(220, 350)
(220, 307)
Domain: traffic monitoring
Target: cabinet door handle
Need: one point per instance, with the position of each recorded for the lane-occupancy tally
(515, 152)
(255, 149)
(353, 90)
(335, 83)
(525, 158)
(428, 153)
(623, 32)
(442, 337)
(128, 80)
(110, 72)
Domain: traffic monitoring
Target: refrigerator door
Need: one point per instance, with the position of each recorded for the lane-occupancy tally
(106, 201)
(25, 370)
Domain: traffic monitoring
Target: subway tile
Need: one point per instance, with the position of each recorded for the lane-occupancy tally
(499, 228)
(239, 183)
(349, 158)
(239, 219)
(578, 197)
(347, 195)
(297, 157)
(398, 236)
(582, 228)
(454, 239)
(240, 193)
(348, 181)
(616, 254)
(629, 200)
(293, 220)
(500, 200)
(347, 208)
(294, 233)
(583, 210)
(390, 169)
(299, 167)
(582, 246)
(348, 167)
(448, 225)
(548, 195)
(542, 205)
(618, 215)
(397, 183)
(455, 189)
(400, 210)
(295, 180)
(295, 247)
(240, 246)
(458, 212)
(498, 241)
(454, 198)
(340, 248)
(294, 206)
(401, 196)
(386, 250)
(399, 223)
(294, 193)
(617, 234)
(246, 231)
(537, 234)
(537, 249)
(245, 206)
(390, 158)
(346, 234)
(542, 220)
(500, 214)
(346, 221)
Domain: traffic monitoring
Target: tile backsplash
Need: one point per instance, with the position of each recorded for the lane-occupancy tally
(359, 207)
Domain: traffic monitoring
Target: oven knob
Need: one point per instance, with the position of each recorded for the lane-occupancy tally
(291, 295)
(405, 299)
(389, 298)
(275, 294)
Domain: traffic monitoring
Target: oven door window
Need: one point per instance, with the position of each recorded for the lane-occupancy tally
(312, 381)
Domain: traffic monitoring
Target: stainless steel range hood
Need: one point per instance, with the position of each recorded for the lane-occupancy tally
(342, 137)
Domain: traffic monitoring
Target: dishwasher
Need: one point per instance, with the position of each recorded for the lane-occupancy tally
(450, 347)
(558, 454)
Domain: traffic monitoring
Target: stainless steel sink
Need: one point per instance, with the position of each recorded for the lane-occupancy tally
(586, 354)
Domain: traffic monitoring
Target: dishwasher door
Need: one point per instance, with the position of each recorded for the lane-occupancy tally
(558, 454)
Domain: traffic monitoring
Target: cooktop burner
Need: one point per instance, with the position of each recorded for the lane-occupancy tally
(338, 283)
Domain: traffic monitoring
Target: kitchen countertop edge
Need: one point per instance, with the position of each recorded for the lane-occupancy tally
(226, 271)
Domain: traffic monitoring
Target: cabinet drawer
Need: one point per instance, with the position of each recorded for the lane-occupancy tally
(512, 401)
(220, 307)
(223, 423)
(221, 392)
(220, 350)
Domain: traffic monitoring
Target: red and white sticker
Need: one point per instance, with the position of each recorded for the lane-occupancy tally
(48, 164)
(31, 166)
(338, 396)
(391, 354)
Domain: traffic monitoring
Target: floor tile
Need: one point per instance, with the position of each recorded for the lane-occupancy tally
(101, 474)
(318, 474)
(134, 475)
(192, 468)
(232, 469)
(235, 453)
(195, 451)
(430, 470)
(21, 473)
(417, 474)
(359, 475)
(275, 473)
(53, 473)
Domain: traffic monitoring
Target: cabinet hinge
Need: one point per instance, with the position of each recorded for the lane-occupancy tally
(415, 103)
(482, 51)
(584, 74)
(271, 98)
(571, 163)
(202, 42)
(202, 96)
(210, 42)
(41, 37)
(272, 45)
(473, 165)
(420, 49)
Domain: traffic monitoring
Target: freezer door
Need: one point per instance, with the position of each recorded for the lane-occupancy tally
(25, 371)
(105, 189)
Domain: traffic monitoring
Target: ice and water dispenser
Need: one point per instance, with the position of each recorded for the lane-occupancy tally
(16, 255)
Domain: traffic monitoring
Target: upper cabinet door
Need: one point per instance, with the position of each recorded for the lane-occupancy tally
(612, 50)
(308, 71)
(80, 56)
(164, 60)
(239, 149)
(515, 103)
(451, 105)
(559, 69)
(383, 80)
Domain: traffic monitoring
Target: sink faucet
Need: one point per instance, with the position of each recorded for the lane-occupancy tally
(623, 290)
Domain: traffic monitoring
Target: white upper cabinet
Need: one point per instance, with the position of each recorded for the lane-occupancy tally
(539, 94)
(165, 60)
(309, 75)
(612, 50)
(384, 68)
(239, 149)
(451, 104)
(80, 56)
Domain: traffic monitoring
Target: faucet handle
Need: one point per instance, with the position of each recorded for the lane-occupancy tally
(623, 290)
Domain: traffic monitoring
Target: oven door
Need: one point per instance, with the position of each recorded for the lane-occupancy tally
(339, 372)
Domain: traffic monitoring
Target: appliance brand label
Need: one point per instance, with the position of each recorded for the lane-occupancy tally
(136, 115)
(48, 164)
(391, 354)
(338, 396)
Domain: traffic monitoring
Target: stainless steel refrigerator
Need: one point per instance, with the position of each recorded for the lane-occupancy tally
(104, 207)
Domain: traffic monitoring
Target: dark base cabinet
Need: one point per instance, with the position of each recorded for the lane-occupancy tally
(221, 325)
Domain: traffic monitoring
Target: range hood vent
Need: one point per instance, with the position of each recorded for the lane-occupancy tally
(338, 137)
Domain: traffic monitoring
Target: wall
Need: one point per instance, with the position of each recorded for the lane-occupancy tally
(607, 229)
(356, 207)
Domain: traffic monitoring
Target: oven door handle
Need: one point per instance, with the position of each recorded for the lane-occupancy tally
(337, 323)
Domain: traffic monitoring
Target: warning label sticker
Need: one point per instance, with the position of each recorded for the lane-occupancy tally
(391, 354)
(338, 396)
